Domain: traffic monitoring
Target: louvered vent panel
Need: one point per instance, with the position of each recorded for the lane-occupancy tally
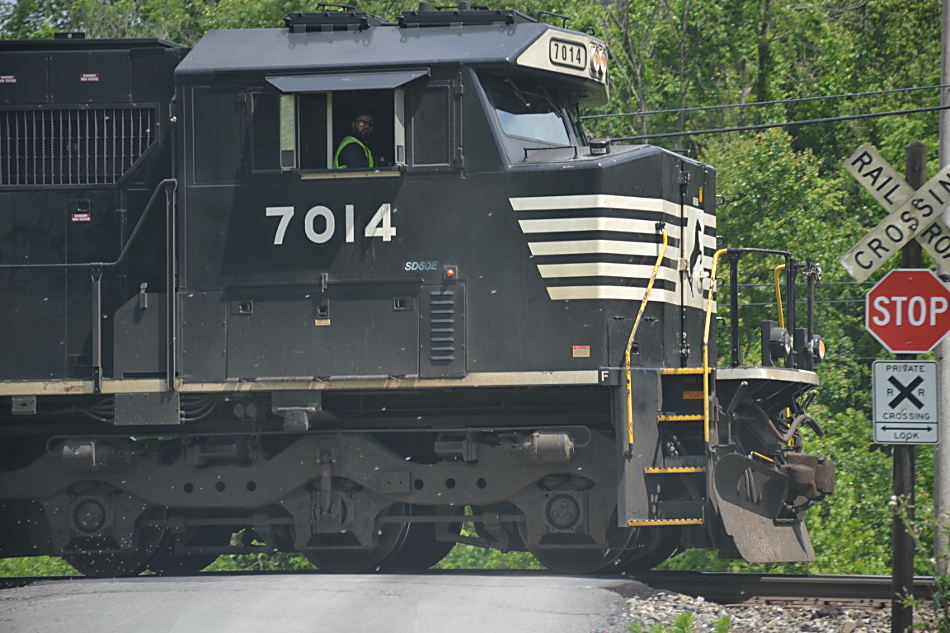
(442, 325)
(72, 147)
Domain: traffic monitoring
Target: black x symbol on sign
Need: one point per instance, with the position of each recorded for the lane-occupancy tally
(905, 392)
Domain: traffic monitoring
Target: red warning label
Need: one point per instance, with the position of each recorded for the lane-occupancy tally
(86, 77)
(7, 79)
(81, 217)
(581, 351)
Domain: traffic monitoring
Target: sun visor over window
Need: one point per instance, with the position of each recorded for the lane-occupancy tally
(350, 81)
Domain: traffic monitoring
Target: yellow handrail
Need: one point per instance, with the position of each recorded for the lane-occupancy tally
(633, 333)
(778, 296)
(709, 304)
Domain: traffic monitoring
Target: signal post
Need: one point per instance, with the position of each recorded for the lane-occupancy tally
(905, 455)
(908, 311)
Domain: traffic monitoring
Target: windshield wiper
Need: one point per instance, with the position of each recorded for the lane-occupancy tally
(518, 92)
(551, 102)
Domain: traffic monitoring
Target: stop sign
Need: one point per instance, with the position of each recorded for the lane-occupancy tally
(908, 311)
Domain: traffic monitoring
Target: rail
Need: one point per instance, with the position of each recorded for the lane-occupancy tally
(720, 587)
(726, 587)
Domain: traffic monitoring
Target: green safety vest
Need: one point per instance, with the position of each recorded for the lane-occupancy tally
(344, 143)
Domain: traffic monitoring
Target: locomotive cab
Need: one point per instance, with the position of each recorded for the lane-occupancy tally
(492, 316)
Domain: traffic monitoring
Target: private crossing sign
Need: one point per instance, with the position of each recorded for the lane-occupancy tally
(905, 402)
(911, 214)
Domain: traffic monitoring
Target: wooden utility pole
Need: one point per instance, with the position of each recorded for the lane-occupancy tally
(905, 456)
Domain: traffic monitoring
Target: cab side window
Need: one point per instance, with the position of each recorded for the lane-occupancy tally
(296, 129)
(353, 112)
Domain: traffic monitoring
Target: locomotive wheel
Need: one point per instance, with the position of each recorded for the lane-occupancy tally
(166, 562)
(390, 538)
(110, 564)
(576, 553)
(421, 549)
(650, 547)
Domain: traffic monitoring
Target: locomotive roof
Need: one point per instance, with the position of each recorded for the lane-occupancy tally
(386, 45)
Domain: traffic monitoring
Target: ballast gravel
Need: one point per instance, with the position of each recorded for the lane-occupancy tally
(662, 608)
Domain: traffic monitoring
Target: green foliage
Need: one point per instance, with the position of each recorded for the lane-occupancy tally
(682, 623)
(36, 566)
(176, 20)
(261, 562)
(243, 14)
(722, 624)
(934, 615)
(469, 557)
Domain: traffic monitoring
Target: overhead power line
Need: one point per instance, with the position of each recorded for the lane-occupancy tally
(764, 103)
(766, 126)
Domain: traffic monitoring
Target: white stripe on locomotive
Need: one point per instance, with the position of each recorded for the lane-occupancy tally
(695, 219)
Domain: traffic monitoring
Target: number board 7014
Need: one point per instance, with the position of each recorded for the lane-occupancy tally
(569, 54)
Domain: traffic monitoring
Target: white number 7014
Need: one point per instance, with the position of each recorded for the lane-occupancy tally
(320, 232)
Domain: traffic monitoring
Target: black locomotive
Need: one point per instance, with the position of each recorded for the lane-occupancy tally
(217, 340)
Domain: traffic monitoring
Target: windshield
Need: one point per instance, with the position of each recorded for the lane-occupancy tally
(527, 111)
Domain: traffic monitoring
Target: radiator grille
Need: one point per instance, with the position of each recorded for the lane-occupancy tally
(72, 147)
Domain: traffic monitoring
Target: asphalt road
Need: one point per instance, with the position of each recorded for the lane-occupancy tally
(314, 603)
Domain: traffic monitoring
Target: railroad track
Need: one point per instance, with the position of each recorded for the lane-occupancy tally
(721, 587)
(811, 589)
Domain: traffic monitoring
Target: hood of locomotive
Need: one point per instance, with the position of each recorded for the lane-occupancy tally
(540, 268)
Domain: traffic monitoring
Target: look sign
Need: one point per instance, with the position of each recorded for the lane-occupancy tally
(911, 214)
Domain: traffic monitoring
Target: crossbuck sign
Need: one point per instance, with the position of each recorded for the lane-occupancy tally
(911, 214)
(905, 402)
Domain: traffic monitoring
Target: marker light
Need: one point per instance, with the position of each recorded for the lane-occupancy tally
(780, 343)
(817, 348)
(598, 61)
